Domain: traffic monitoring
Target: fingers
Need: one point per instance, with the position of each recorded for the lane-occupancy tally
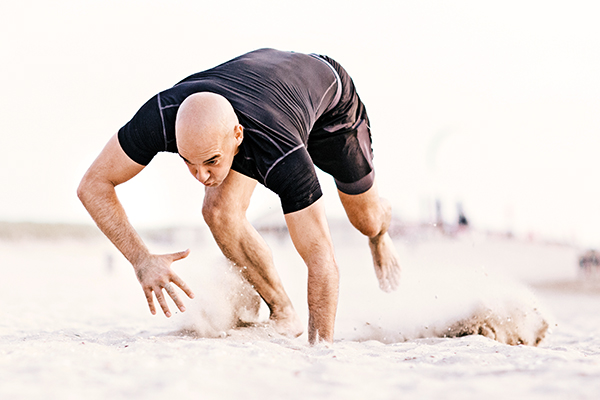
(157, 275)
(180, 255)
(150, 300)
(171, 292)
(182, 285)
(179, 282)
(163, 302)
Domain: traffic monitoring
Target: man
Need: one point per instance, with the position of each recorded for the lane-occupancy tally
(266, 116)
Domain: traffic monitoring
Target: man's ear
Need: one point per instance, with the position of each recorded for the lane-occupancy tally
(238, 134)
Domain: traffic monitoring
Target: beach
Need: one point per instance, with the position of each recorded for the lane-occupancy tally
(482, 107)
(75, 323)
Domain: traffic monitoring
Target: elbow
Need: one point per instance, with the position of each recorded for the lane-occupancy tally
(87, 188)
(91, 188)
(322, 263)
(82, 190)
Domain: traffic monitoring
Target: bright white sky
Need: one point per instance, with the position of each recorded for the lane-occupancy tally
(495, 106)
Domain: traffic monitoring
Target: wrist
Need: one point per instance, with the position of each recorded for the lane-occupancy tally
(139, 258)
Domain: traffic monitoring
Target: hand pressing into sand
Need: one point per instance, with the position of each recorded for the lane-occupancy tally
(155, 274)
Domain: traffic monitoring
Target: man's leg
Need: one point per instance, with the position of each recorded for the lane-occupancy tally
(372, 215)
(224, 211)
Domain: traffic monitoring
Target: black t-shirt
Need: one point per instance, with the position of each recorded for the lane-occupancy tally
(277, 96)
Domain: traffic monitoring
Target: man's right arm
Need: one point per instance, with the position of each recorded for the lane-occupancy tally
(97, 193)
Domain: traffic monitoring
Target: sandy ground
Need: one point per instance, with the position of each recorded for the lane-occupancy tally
(75, 325)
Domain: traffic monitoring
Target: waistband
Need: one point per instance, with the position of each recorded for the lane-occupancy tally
(338, 91)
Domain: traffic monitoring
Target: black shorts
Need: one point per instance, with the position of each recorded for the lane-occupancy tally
(340, 141)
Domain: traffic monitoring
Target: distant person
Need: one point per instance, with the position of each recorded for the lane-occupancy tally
(268, 116)
(439, 219)
(462, 219)
(589, 262)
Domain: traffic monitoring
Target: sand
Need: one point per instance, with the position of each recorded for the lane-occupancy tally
(75, 324)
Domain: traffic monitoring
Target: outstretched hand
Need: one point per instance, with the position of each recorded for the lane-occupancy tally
(155, 274)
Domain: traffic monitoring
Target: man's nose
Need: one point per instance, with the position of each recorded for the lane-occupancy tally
(202, 175)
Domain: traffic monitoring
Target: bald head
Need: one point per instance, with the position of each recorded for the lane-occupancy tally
(208, 136)
(203, 117)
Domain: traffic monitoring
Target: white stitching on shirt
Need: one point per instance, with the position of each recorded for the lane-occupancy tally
(162, 119)
(266, 137)
(279, 159)
(338, 93)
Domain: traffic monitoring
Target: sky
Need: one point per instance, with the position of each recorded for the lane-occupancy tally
(491, 105)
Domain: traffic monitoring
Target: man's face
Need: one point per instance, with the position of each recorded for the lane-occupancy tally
(209, 160)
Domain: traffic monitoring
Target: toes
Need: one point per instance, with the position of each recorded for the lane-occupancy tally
(385, 286)
(394, 282)
(388, 276)
(395, 276)
(385, 261)
(382, 277)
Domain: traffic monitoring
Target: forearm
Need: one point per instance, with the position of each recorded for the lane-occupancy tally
(310, 234)
(103, 205)
(323, 284)
(97, 193)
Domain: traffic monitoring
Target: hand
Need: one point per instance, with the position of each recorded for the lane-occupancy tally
(155, 274)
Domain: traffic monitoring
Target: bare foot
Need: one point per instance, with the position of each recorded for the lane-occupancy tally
(385, 261)
(287, 323)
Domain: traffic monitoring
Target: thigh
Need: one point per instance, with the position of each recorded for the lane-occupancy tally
(346, 155)
(362, 208)
(340, 141)
(232, 196)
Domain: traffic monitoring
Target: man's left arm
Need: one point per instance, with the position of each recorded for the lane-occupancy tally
(310, 234)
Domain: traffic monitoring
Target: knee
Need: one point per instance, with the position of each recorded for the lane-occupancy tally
(216, 214)
(368, 225)
(373, 221)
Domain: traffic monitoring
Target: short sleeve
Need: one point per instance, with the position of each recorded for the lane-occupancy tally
(294, 179)
(143, 137)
